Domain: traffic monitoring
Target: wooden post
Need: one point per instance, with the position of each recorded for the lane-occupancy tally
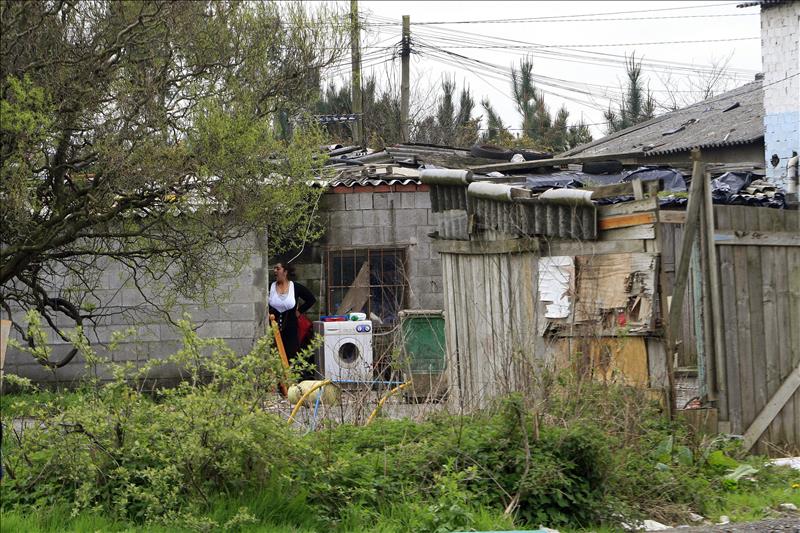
(682, 271)
(720, 377)
(281, 350)
(405, 55)
(355, 63)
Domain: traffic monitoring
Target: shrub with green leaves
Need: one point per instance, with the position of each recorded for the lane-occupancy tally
(149, 458)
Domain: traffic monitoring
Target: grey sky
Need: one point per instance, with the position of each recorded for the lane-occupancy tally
(578, 76)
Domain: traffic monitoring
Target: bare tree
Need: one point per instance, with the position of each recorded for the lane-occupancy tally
(700, 85)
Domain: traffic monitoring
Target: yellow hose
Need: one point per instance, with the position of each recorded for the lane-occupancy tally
(386, 397)
(304, 396)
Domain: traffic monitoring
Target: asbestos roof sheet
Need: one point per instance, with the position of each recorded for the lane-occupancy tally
(729, 119)
(765, 3)
(371, 175)
(442, 156)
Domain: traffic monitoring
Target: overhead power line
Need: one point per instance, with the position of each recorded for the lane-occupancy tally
(540, 21)
(573, 16)
(588, 56)
(598, 45)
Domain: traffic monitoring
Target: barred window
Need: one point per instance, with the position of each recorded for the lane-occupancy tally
(367, 280)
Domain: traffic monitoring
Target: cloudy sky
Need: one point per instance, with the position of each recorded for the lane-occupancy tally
(578, 48)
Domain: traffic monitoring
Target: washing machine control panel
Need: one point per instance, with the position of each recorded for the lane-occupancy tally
(366, 328)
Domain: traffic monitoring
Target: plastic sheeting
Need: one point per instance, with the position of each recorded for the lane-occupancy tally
(729, 188)
(672, 179)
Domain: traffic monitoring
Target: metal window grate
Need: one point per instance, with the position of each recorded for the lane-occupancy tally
(385, 290)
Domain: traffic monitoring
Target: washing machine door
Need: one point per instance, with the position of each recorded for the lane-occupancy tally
(348, 353)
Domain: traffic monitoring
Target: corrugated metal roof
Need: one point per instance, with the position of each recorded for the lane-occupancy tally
(371, 175)
(729, 119)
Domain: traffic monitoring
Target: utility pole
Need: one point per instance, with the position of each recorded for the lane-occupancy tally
(355, 57)
(404, 82)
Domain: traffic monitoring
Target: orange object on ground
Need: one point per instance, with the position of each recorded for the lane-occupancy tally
(281, 350)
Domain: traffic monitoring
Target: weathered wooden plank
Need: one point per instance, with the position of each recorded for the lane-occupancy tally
(643, 231)
(610, 191)
(772, 342)
(715, 344)
(793, 270)
(729, 321)
(485, 247)
(628, 208)
(672, 217)
(771, 408)
(784, 349)
(624, 221)
(638, 190)
(681, 272)
(756, 238)
(452, 317)
(657, 363)
(560, 247)
(756, 318)
(742, 325)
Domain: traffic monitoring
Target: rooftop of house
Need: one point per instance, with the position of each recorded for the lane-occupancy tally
(729, 119)
(763, 3)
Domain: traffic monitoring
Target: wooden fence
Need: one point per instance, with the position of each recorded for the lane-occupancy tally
(730, 306)
(759, 272)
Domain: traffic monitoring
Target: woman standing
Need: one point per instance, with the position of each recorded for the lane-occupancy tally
(284, 297)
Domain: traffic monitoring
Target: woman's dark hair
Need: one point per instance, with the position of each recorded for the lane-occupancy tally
(288, 267)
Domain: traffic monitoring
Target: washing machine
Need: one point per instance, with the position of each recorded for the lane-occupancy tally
(346, 350)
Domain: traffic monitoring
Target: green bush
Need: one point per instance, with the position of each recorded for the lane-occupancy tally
(148, 459)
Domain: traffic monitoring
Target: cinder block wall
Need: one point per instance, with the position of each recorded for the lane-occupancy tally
(381, 216)
(780, 32)
(237, 317)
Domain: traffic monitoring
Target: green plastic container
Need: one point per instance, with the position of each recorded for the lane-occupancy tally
(423, 341)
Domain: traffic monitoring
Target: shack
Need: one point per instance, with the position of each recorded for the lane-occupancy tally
(534, 280)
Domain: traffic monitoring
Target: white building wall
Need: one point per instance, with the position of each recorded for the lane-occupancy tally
(780, 53)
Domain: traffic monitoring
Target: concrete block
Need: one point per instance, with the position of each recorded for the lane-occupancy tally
(430, 300)
(163, 349)
(131, 352)
(402, 234)
(332, 202)
(339, 236)
(407, 200)
(131, 297)
(308, 271)
(215, 330)
(347, 219)
(243, 330)
(367, 236)
(422, 200)
(232, 311)
(244, 295)
(410, 217)
(168, 332)
(352, 202)
(380, 200)
(377, 217)
(423, 232)
(365, 200)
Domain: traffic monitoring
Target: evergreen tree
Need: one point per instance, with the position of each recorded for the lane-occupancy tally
(637, 104)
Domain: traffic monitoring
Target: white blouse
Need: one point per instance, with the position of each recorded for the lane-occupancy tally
(281, 302)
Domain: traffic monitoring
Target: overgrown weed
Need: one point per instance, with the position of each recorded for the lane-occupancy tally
(205, 456)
